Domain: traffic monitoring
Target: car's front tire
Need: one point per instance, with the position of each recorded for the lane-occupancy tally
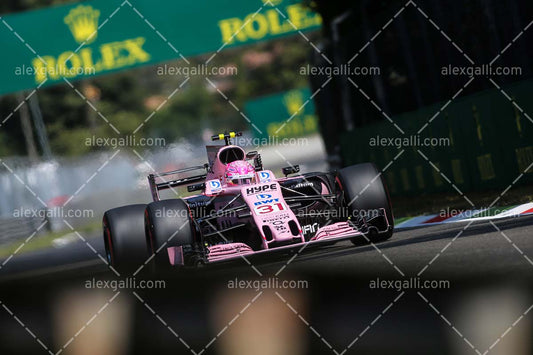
(167, 223)
(365, 190)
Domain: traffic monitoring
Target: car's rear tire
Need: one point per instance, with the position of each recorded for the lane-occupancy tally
(124, 239)
(365, 190)
(167, 223)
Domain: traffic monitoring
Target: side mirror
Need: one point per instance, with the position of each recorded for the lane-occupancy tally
(291, 170)
(258, 163)
(196, 187)
(251, 155)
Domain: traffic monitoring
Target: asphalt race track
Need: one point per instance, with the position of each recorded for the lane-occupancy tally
(446, 250)
(339, 303)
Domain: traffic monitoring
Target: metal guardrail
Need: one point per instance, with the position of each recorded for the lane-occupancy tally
(19, 228)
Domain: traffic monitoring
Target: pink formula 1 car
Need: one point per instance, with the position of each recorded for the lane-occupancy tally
(244, 210)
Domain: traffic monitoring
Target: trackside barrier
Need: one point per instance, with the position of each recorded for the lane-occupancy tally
(15, 228)
(490, 144)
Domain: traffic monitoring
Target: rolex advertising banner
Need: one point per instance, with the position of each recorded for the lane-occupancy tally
(81, 40)
(283, 115)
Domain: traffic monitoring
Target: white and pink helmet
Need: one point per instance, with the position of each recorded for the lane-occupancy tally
(239, 172)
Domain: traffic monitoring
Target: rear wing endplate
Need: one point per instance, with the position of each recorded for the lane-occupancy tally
(155, 186)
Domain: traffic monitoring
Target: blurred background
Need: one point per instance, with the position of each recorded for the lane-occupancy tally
(95, 95)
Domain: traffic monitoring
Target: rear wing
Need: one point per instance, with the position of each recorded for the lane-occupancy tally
(155, 186)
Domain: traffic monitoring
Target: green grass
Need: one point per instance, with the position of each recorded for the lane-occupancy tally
(42, 241)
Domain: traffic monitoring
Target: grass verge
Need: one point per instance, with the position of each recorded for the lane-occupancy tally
(43, 241)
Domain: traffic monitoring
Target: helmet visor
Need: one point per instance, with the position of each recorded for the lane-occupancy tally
(242, 181)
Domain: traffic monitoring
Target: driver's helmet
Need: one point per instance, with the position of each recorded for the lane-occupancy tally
(240, 172)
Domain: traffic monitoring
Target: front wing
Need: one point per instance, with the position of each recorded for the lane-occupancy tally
(333, 232)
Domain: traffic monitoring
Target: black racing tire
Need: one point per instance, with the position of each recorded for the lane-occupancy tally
(124, 238)
(167, 223)
(365, 182)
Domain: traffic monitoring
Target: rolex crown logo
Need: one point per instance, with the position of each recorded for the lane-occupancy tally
(83, 23)
(293, 102)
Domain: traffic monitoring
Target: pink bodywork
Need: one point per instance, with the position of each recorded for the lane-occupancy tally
(335, 231)
(218, 168)
(268, 208)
